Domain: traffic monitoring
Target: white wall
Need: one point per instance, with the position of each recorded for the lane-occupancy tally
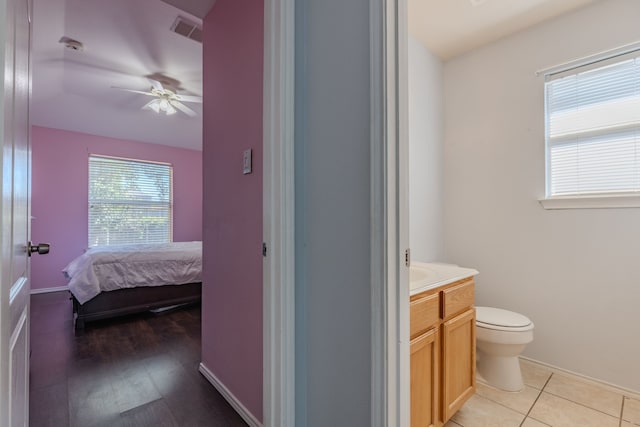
(575, 273)
(333, 278)
(425, 153)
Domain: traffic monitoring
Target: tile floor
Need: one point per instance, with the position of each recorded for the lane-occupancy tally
(548, 399)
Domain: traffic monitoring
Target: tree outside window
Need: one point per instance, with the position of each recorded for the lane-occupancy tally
(130, 201)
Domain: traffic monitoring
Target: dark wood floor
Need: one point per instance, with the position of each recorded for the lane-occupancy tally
(137, 371)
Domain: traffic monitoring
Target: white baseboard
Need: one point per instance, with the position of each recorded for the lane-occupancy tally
(47, 290)
(612, 387)
(246, 415)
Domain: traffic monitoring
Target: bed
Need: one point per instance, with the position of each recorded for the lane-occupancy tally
(111, 281)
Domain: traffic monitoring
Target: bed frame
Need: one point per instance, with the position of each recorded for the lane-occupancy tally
(134, 300)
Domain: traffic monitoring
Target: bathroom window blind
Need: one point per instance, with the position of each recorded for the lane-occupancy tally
(593, 128)
(130, 201)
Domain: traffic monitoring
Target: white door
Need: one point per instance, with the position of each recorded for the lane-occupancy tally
(15, 211)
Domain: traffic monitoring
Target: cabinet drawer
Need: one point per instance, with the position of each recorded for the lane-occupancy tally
(424, 313)
(457, 298)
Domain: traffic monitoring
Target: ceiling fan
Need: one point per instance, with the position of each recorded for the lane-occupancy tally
(166, 98)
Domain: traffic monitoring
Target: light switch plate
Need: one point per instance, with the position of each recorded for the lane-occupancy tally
(246, 161)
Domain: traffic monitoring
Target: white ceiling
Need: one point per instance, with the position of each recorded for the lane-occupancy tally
(198, 8)
(127, 40)
(124, 41)
(452, 27)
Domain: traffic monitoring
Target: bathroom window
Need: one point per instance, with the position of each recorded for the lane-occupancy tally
(592, 117)
(130, 201)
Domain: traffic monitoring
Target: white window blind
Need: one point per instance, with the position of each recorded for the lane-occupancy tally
(130, 201)
(593, 128)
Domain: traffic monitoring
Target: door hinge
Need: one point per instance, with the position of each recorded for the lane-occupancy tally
(407, 257)
(264, 249)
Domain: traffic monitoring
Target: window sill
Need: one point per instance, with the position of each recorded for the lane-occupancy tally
(591, 202)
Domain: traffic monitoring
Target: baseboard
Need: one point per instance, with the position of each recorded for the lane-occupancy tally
(246, 415)
(613, 387)
(48, 290)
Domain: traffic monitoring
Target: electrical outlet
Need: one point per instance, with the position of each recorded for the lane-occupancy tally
(246, 161)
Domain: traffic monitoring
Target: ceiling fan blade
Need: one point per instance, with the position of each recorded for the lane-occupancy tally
(180, 106)
(133, 90)
(189, 98)
(156, 85)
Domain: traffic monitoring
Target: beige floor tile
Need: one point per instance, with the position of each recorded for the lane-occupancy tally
(586, 394)
(530, 422)
(520, 402)
(481, 412)
(631, 410)
(627, 424)
(451, 424)
(533, 374)
(560, 412)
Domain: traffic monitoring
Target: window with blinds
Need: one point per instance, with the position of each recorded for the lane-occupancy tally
(130, 201)
(593, 128)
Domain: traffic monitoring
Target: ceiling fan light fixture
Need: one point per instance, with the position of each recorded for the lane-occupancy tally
(161, 105)
(153, 105)
(166, 99)
(170, 110)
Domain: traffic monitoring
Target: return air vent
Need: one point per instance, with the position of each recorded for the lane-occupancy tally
(187, 28)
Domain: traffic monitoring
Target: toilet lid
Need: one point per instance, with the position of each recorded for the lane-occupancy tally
(499, 317)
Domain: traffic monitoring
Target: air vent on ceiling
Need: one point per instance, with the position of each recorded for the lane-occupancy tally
(187, 28)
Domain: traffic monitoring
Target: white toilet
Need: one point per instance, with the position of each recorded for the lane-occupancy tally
(501, 335)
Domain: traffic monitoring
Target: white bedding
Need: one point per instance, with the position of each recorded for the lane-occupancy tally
(108, 268)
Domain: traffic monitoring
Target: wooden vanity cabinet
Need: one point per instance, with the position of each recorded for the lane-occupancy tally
(425, 357)
(458, 362)
(443, 352)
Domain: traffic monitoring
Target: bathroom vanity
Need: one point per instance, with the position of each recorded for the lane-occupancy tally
(443, 348)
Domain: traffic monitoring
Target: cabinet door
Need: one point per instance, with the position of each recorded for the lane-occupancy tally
(459, 362)
(424, 379)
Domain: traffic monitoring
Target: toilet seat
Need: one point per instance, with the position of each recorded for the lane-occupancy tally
(502, 320)
(501, 336)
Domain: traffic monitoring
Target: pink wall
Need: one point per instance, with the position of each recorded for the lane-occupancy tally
(60, 193)
(232, 230)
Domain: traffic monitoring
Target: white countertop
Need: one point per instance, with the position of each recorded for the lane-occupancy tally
(426, 276)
